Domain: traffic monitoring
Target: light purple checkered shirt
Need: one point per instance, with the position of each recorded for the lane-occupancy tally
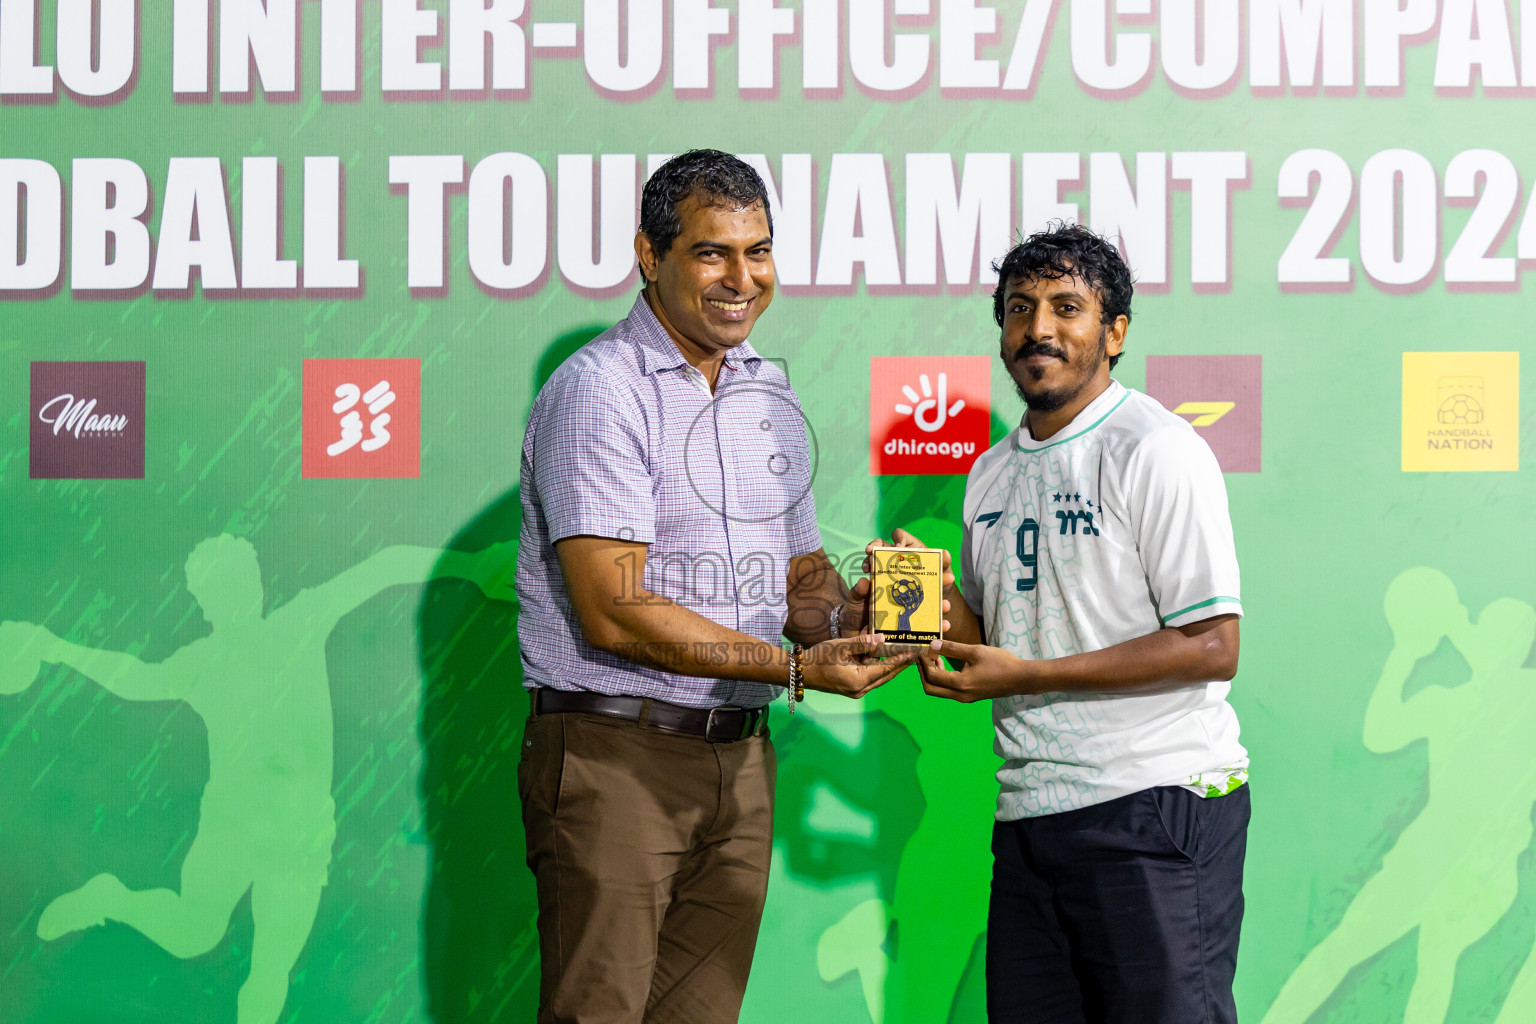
(625, 441)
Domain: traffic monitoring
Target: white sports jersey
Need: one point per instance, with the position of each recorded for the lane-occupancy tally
(1111, 529)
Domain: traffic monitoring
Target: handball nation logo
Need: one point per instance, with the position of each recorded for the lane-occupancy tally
(362, 418)
(1461, 400)
(1461, 412)
(928, 414)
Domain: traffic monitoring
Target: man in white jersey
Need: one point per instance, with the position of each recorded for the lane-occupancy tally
(1098, 610)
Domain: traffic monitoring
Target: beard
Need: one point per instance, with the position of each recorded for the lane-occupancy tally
(1051, 399)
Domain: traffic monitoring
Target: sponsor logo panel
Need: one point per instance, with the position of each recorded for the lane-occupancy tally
(928, 414)
(362, 418)
(1461, 412)
(1221, 397)
(87, 421)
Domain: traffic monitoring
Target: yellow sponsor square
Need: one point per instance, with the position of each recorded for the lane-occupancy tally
(1461, 412)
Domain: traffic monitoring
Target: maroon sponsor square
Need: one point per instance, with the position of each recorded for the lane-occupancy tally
(1221, 397)
(87, 421)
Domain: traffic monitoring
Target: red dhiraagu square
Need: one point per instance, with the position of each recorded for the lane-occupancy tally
(362, 418)
(1221, 397)
(928, 414)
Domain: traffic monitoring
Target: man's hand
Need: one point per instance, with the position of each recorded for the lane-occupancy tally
(984, 672)
(851, 667)
(1168, 659)
(23, 647)
(814, 590)
(855, 615)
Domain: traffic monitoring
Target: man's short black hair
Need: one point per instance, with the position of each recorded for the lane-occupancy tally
(1069, 250)
(712, 177)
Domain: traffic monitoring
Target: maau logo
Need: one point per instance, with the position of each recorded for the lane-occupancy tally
(362, 418)
(87, 421)
(1461, 411)
(1221, 397)
(928, 414)
(73, 415)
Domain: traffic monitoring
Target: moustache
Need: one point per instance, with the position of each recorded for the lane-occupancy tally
(1038, 348)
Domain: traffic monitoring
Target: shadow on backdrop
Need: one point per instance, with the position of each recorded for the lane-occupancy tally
(939, 904)
(479, 935)
(922, 770)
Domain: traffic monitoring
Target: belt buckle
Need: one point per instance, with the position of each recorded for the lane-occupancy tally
(709, 724)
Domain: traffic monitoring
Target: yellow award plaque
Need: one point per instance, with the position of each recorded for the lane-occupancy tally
(907, 594)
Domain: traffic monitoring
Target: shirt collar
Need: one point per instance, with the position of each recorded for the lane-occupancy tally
(1084, 421)
(659, 352)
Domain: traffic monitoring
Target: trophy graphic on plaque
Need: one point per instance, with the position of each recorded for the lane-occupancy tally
(906, 602)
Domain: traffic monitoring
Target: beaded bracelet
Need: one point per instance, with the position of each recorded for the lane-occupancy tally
(796, 689)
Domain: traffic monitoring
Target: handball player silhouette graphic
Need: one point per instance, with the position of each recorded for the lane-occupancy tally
(1453, 873)
(260, 684)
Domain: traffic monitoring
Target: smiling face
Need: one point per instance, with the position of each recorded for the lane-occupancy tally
(715, 280)
(1056, 347)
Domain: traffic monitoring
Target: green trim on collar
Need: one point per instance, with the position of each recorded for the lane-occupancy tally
(1075, 436)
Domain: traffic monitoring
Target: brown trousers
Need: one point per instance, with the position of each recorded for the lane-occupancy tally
(650, 851)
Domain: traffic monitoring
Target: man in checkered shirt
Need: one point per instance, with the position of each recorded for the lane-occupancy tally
(669, 541)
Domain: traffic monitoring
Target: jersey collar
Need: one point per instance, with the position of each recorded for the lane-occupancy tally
(1094, 413)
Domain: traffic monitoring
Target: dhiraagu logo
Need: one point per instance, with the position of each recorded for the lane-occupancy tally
(927, 410)
(928, 414)
(1461, 412)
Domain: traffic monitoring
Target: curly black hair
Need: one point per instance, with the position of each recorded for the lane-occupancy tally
(1069, 250)
(713, 177)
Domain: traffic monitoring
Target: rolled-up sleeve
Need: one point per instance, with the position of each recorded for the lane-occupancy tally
(591, 463)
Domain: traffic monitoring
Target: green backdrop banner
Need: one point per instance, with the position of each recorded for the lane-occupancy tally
(280, 281)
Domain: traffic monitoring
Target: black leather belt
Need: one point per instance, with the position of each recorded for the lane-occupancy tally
(723, 724)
